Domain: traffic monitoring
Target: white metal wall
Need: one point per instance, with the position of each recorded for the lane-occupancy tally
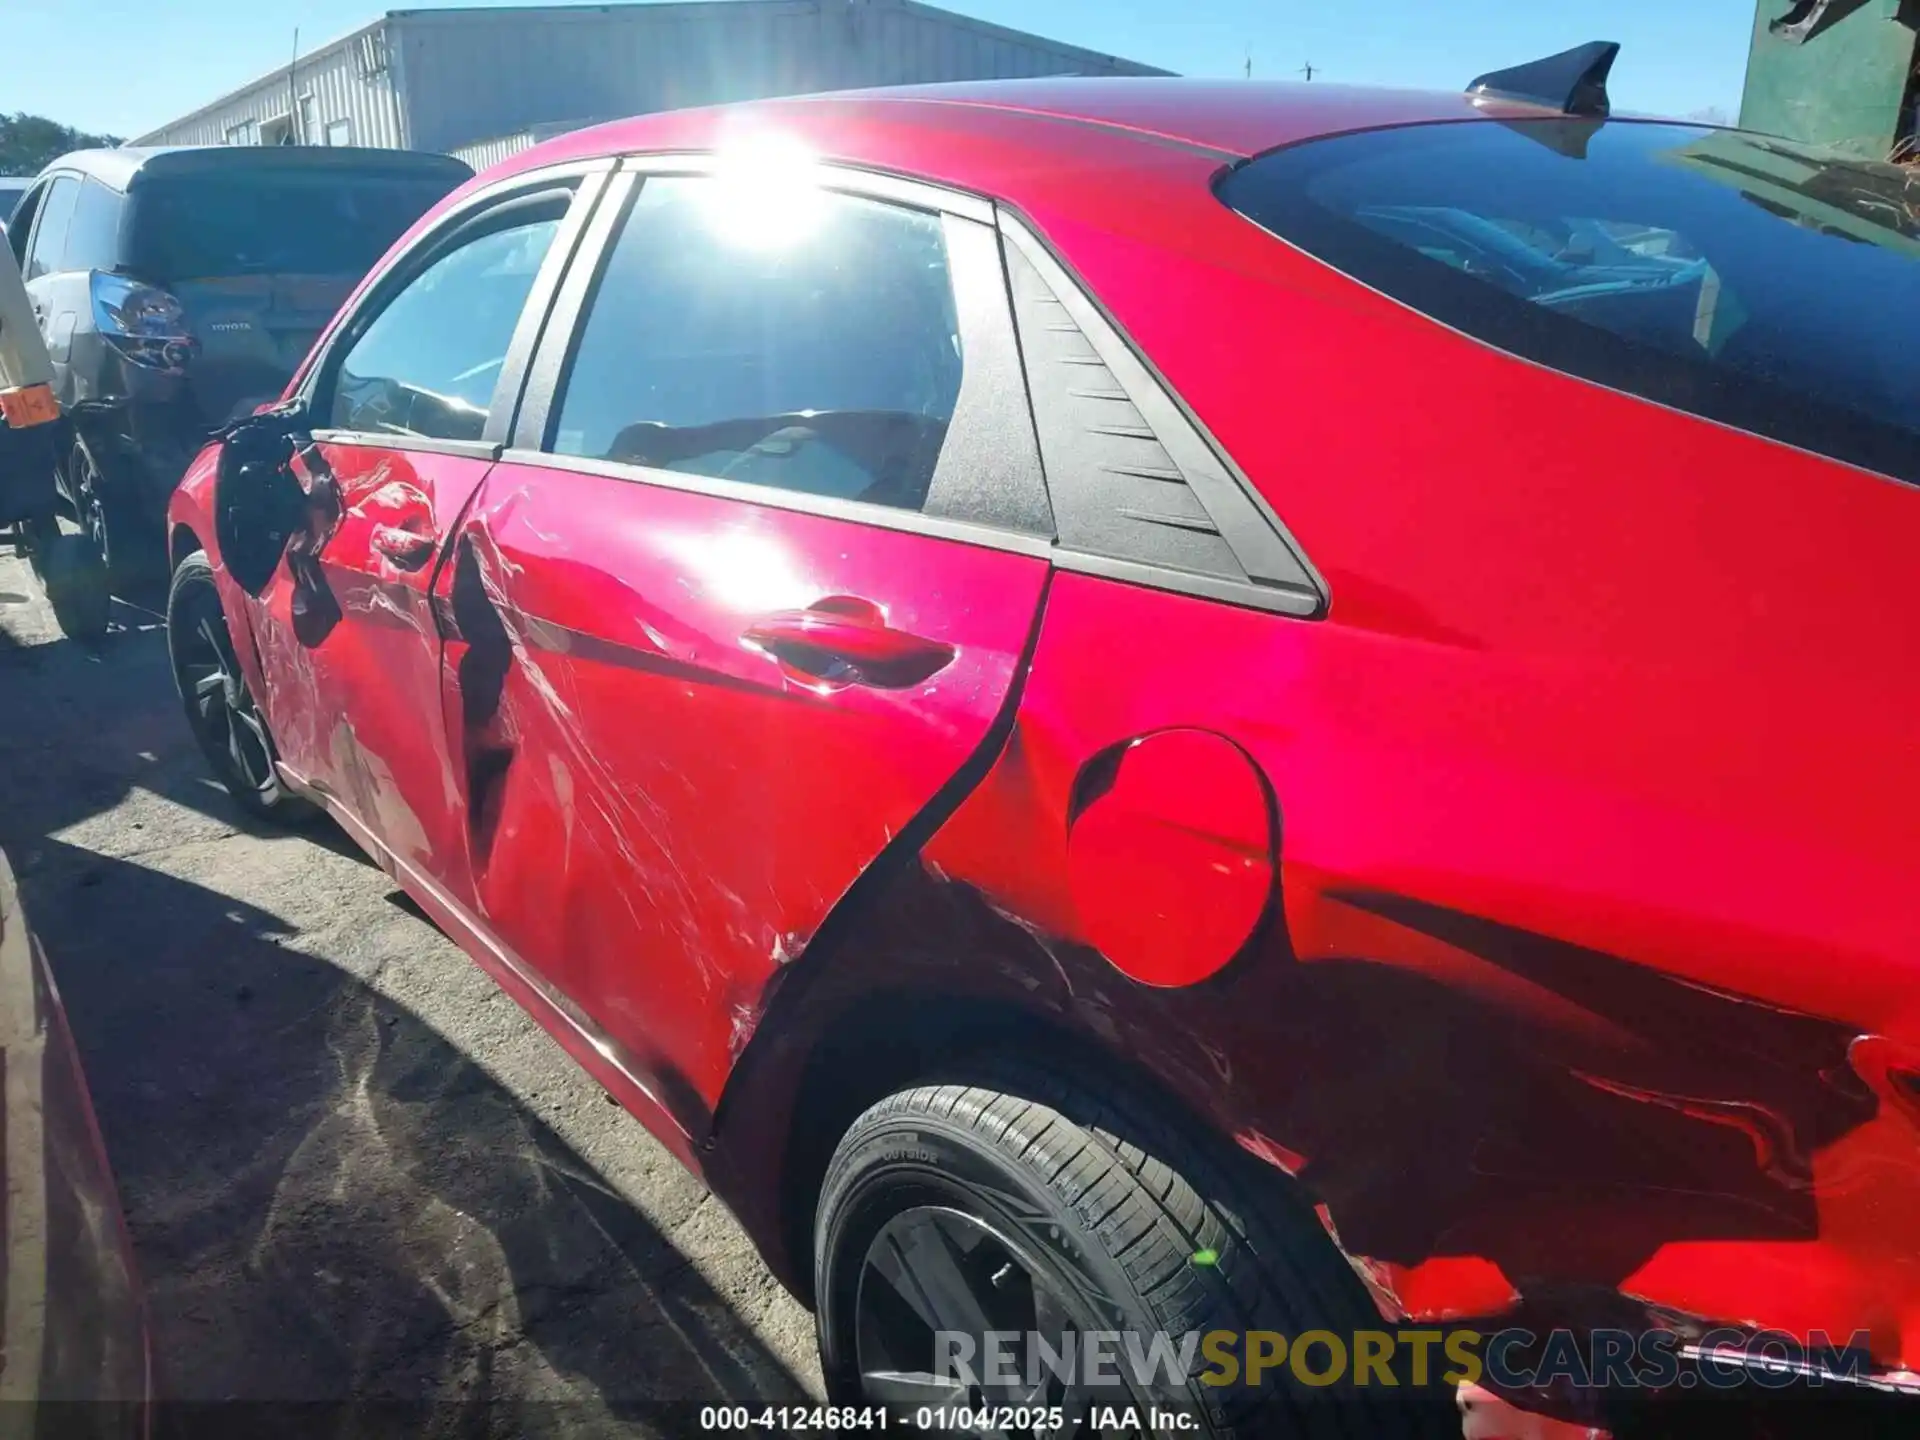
(483, 153)
(472, 74)
(451, 79)
(351, 79)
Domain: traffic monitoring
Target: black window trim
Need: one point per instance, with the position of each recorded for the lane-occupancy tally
(1243, 515)
(587, 180)
(562, 335)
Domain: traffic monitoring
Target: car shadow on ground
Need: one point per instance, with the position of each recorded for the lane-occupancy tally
(330, 1201)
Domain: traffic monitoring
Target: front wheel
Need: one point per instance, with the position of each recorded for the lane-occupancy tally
(973, 1240)
(221, 710)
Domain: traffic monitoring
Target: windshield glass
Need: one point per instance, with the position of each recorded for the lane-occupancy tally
(1749, 280)
(321, 222)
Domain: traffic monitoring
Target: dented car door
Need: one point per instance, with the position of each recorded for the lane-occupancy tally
(733, 615)
(350, 644)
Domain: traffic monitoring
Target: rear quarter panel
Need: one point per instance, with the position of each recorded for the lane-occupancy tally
(1596, 795)
(1607, 744)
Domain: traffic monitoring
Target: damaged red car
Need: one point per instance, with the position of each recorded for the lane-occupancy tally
(1154, 707)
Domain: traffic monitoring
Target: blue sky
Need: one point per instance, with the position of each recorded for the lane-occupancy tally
(132, 65)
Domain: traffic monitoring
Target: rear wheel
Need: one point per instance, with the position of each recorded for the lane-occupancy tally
(1020, 1203)
(104, 510)
(221, 710)
(75, 580)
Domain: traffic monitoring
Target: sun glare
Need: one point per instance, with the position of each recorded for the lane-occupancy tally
(765, 193)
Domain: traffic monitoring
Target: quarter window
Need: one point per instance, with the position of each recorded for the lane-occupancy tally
(812, 347)
(427, 365)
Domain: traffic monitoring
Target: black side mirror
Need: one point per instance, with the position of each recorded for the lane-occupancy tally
(258, 504)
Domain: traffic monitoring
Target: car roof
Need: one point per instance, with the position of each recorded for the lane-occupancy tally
(1239, 117)
(1224, 119)
(118, 167)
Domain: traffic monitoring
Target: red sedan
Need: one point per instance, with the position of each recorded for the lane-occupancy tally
(75, 1357)
(1149, 706)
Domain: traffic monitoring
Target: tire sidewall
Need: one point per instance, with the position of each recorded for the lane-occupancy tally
(903, 1161)
(91, 487)
(192, 588)
(131, 551)
(75, 581)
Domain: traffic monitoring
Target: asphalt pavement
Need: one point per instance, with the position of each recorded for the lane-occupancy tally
(354, 1170)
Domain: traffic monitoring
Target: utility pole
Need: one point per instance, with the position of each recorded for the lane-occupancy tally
(1249, 62)
(293, 99)
(1308, 71)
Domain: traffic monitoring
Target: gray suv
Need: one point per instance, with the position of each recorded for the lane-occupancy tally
(179, 288)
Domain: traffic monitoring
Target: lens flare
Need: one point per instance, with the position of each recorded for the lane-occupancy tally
(765, 192)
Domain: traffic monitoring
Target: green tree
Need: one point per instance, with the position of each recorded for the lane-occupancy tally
(28, 142)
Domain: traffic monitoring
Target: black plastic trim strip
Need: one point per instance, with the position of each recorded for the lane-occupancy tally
(561, 334)
(1280, 576)
(505, 407)
(988, 471)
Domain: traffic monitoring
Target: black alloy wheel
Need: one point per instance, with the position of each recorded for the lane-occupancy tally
(220, 709)
(1067, 1209)
(89, 488)
(933, 1268)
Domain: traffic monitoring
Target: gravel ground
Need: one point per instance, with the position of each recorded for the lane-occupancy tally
(351, 1166)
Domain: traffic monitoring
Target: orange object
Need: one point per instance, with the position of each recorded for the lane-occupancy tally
(29, 405)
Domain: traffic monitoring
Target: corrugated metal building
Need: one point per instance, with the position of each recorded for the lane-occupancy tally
(482, 153)
(488, 82)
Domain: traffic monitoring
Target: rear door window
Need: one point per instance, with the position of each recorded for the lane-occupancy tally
(1745, 279)
(48, 248)
(826, 360)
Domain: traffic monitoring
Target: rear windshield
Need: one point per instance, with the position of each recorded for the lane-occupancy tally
(253, 222)
(1749, 280)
